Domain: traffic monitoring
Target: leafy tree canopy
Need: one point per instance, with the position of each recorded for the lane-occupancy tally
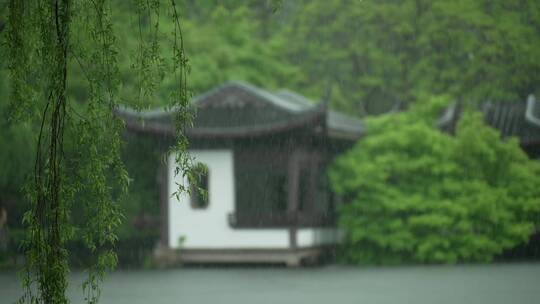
(374, 54)
(377, 53)
(414, 194)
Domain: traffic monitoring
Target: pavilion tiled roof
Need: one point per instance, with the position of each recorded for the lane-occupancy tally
(239, 109)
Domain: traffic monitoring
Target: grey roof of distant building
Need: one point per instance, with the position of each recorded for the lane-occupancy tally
(519, 118)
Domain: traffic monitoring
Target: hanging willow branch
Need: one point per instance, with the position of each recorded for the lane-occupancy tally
(77, 162)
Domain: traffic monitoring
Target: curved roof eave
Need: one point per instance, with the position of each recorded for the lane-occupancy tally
(532, 104)
(337, 124)
(139, 124)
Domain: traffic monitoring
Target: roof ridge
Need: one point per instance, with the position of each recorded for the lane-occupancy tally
(295, 97)
(262, 93)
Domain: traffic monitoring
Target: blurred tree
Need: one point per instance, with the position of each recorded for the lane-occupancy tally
(226, 46)
(378, 53)
(414, 194)
(16, 147)
(15, 155)
(375, 54)
(225, 41)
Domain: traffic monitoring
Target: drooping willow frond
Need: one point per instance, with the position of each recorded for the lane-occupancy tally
(77, 162)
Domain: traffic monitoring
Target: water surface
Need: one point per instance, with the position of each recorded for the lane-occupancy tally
(506, 283)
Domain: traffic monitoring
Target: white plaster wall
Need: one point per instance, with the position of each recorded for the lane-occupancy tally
(209, 228)
(308, 237)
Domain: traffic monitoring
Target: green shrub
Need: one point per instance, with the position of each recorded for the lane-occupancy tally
(415, 194)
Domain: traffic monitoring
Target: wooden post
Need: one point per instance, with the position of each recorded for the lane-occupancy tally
(312, 197)
(292, 206)
(163, 255)
(164, 202)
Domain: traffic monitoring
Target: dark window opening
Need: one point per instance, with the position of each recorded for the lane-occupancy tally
(261, 187)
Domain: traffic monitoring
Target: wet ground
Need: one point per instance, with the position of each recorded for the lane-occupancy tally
(501, 283)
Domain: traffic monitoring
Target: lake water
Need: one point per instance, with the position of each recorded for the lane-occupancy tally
(500, 283)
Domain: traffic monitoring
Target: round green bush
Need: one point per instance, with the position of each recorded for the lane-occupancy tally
(412, 193)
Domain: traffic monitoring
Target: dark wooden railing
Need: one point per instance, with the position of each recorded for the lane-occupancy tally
(279, 220)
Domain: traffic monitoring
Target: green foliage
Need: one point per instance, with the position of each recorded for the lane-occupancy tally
(78, 176)
(230, 40)
(414, 194)
(372, 53)
(226, 46)
(377, 53)
(15, 159)
(142, 160)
